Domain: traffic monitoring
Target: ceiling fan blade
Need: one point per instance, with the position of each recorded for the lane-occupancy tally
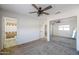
(35, 6)
(33, 12)
(47, 8)
(45, 13)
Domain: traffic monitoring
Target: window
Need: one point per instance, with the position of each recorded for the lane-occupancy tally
(64, 27)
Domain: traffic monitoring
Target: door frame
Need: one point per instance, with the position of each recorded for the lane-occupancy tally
(3, 30)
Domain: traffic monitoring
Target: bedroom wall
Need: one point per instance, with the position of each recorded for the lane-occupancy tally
(0, 30)
(28, 28)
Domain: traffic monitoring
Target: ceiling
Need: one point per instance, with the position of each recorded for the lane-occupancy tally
(26, 8)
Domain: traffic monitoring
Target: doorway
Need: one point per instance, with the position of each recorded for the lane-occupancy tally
(10, 32)
(45, 30)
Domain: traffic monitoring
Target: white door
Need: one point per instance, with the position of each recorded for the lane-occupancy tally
(10, 32)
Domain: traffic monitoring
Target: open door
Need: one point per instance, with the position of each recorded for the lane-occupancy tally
(10, 32)
(45, 30)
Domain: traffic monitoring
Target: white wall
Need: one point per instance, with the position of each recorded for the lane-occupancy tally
(71, 21)
(0, 30)
(66, 14)
(28, 29)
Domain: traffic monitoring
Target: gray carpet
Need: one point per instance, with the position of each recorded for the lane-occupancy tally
(57, 46)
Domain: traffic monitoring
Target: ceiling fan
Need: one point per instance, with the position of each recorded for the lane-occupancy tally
(41, 11)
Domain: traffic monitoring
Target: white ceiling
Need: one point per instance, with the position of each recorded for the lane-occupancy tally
(26, 8)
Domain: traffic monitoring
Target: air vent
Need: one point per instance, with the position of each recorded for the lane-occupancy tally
(57, 12)
(58, 21)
